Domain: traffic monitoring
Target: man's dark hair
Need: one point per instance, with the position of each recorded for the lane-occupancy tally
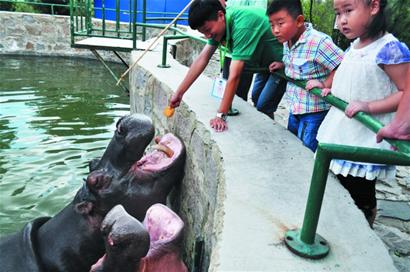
(293, 7)
(202, 11)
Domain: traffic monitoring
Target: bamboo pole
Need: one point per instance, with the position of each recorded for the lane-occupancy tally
(155, 40)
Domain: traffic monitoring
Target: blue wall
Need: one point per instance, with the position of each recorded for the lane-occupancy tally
(152, 6)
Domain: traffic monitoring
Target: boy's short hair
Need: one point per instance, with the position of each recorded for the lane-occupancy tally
(202, 11)
(293, 7)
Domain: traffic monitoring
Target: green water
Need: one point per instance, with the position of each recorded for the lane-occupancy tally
(56, 114)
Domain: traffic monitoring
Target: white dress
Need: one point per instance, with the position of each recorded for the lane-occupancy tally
(359, 77)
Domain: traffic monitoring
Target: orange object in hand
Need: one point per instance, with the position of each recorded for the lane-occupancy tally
(168, 111)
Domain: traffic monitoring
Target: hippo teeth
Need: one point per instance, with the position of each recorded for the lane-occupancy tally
(161, 147)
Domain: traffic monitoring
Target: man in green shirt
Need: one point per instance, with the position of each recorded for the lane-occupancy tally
(245, 32)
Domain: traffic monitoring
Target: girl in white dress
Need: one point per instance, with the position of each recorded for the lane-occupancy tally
(371, 79)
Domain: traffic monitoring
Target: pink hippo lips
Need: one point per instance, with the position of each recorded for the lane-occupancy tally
(164, 153)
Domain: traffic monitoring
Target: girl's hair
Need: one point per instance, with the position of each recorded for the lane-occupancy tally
(378, 25)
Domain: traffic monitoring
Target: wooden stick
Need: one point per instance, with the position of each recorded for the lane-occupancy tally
(155, 40)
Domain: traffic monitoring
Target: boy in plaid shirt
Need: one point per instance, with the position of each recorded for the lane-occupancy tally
(307, 54)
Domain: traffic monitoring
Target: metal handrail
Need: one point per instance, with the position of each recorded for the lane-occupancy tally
(306, 242)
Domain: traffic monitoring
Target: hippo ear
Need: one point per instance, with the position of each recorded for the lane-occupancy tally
(92, 165)
(83, 207)
(119, 121)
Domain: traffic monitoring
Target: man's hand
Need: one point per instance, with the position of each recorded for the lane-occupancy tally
(218, 124)
(394, 131)
(175, 100)
(276, 65)
(356, 106)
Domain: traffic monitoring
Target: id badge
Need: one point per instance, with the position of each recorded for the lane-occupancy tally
(218, 88)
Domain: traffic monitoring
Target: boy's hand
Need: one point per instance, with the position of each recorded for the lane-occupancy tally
(175, 100)
(218, 124)
(314, 83)
(356, 106)
(276, 65)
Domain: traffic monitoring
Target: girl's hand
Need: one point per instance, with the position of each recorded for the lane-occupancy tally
(314, 83)
(276, 65)
(356, 106)
(325, 91)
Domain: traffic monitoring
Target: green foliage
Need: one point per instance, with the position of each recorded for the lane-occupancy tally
(323, 16)
(398, 15)
(22, 7)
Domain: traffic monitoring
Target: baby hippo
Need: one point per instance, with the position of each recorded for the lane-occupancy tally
(126, 242)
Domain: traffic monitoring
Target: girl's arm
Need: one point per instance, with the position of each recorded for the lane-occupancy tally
(397, 73)
(387, 104)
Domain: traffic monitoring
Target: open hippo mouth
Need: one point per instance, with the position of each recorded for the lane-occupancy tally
(148, 181)
(166, 150)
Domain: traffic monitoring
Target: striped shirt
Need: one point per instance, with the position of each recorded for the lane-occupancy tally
(313, 56)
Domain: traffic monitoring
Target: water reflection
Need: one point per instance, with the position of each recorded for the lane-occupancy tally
(56, 114)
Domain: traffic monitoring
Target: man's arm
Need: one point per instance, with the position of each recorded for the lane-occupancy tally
(399, 128)
(197, 67)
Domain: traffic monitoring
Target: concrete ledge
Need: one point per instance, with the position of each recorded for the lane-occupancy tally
(245, 187)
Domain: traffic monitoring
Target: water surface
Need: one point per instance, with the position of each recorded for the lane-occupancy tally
(56, 114)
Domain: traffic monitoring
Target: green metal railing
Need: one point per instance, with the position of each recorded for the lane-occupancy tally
(82, 23)
(305, 242)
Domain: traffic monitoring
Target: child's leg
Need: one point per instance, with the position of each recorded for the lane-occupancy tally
(258, 85)
(293, 123)
(309, 125)
(363, 192)
(266, 101)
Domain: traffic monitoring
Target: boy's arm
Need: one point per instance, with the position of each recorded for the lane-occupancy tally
(197, 67)
(329, 56)
(327, 83)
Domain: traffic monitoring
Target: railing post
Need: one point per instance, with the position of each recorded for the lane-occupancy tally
(134, 26)
(306, 243)
(117, 17)
(165, 47)
(72, 21)
(144, 19)
(164, 54)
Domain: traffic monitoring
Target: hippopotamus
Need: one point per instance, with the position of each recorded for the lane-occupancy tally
(147, 182)
(127, 244)
(72, 240)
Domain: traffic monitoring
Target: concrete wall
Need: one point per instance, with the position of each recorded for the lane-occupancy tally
(245, 187)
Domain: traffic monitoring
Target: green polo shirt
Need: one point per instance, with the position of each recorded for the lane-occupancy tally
(249, 38)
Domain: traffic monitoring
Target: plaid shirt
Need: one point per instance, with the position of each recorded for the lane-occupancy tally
(313, 56)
